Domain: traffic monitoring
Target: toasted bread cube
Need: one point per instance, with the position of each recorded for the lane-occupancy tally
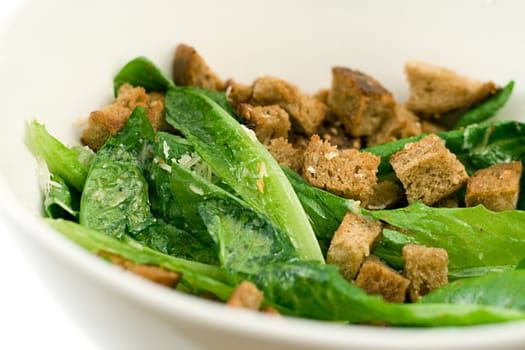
(153, 273)
(332, 130)
(359, 101)
(269, 310)
(306, 112)
(238, 93)
(268, 122)
(426, 268)
(451, 201)
(428, 170)
(111, 119)
(387, 194)
(286, 154)
(299, 141)
(156, 274)
(155, 112)
(104, 123)
(246, 295)
(375, 277)
(402, 124)
(496, 187)
(431, 127)
(352, 243)
(348, 173)
(436, 90)
(190, 69)
(322, 95)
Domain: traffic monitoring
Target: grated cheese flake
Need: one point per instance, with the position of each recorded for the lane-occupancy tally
(228, 91)
(165, 166)
(331, 155)
(166, 149)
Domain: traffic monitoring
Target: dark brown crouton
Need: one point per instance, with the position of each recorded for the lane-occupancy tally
(402, 124)
(306, 112)
(428, 170)
(496, 187)
(387, 194)
(286, 154)
(246, 295)
(375, 277)
(190, 69)
(349, 173)
(352, 243)
(111, 119)
(268, 122)
(426, 268)
(322, 95)
(451, 201)
(436, 90)
(153, 273)
(238, 93)
(332, 130)
(299, 141)
(359, 101)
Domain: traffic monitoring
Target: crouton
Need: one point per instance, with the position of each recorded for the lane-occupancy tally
(402, 124)
(451, 201)
(155, 112)
(104, 123)
(436, 90)
(268, 122)
(286, 154)
(428, 170)
(111, 119)
(426, 268)
(271, 311)
(496, 187)
(332, 130)
(155, 274)
(190, 69)
(430, 127)
(348, 173)
(298, 141)
(306, 113)
(375, 277)
(359, 101)
(246, 295)
(353, 241)
(387, 194)
(322, 95)
(238, 93)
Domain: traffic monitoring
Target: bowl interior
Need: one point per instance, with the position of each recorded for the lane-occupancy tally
(59, 57)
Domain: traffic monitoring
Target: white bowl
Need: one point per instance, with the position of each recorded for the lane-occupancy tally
(57, 63)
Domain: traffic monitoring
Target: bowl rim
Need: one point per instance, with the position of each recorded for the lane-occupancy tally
(258, 325)
(287, 330)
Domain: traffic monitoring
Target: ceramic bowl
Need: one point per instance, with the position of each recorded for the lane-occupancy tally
(57, 61)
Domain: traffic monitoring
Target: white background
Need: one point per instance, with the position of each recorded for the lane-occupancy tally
(29, 317)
